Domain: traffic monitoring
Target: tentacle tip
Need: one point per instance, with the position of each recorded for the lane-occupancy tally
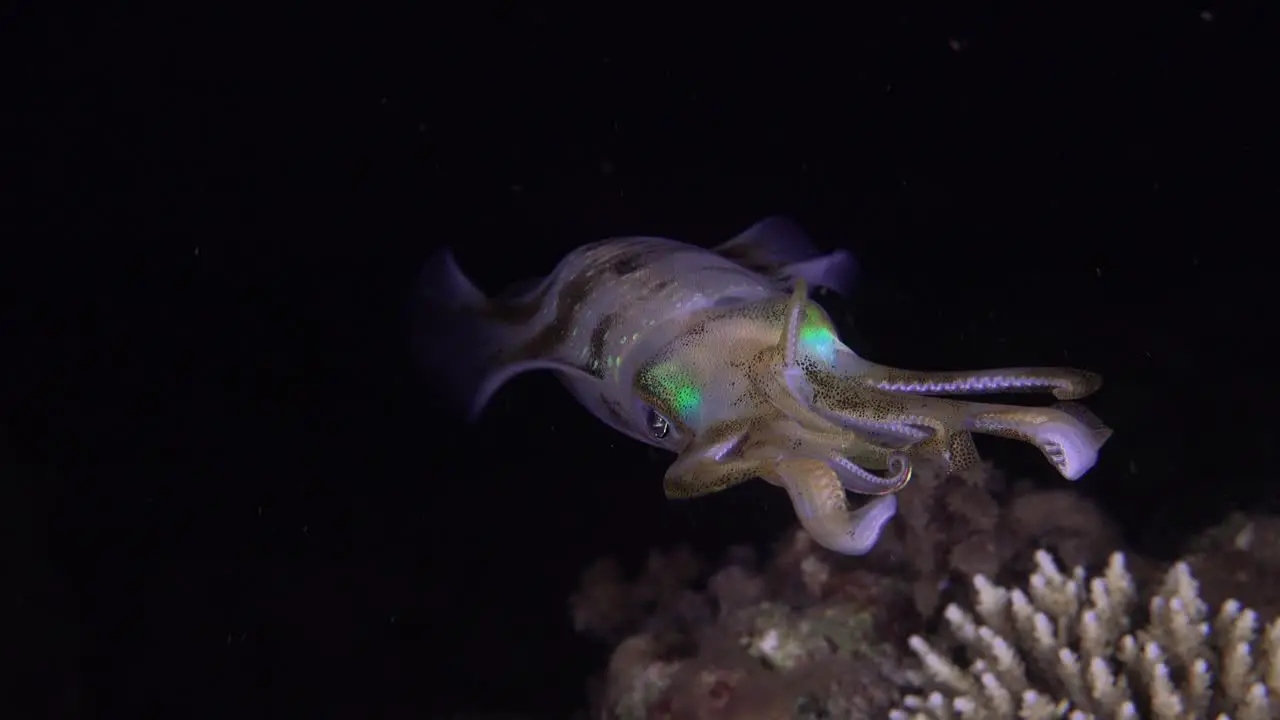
(1083, 385)
(855, 478)
(1072, 446)
(901, 469)
(863, 529)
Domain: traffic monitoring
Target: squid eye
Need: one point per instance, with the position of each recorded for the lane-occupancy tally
(659, 427)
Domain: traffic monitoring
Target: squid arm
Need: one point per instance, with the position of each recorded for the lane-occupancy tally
(883, 402)
(1068, 435)
(822, 506)
(1063, 383)
(816, 490)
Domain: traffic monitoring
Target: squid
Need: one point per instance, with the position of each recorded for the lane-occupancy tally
(721, 357)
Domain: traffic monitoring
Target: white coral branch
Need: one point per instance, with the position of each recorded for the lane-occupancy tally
(1063, 649)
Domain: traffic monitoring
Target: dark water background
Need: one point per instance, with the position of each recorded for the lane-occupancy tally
(228, 492)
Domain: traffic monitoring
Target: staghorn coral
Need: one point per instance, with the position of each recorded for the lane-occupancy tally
(1064, 648)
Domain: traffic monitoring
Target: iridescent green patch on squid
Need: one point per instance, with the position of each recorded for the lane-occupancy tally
(817, 336)
(672, 387)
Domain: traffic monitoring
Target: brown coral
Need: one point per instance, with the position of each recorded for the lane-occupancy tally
(807, 635)
(609, 606)
(972, 523)
(1240, 558)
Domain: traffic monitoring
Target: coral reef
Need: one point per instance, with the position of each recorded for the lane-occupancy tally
(956, 527)
(797, 638)
(808, 633)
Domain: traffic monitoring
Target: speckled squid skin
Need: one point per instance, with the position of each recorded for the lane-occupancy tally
(721, 357)
(752, 425)
(610, 301)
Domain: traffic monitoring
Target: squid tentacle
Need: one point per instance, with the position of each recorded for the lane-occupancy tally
(823, 508)
(703, 477)
(817, 493)
(857, 479)
(852, 455)
(706, 469)
(1063, 383)
(828, 395)
(1068, 435)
